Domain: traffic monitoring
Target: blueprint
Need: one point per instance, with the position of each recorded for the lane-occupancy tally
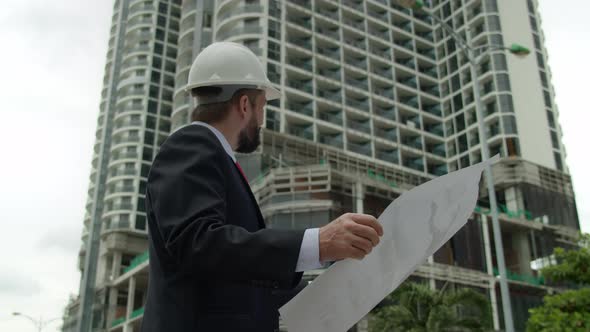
(415, 225)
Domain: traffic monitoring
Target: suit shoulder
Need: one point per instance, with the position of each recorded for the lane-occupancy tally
(187, 146)
(192, 133)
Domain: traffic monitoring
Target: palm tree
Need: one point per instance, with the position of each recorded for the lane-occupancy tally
(416, 308)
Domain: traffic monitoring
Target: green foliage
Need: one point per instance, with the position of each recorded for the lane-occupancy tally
(573, 265)
(570, 310)
(415, 307)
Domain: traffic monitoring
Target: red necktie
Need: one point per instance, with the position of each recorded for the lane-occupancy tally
(241, 171)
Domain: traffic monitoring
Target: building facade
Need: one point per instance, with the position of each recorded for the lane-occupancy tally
(376, 100)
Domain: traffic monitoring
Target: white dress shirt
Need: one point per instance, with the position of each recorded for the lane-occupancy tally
(309, 254)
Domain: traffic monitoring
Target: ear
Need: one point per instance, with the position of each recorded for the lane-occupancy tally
(243, 105)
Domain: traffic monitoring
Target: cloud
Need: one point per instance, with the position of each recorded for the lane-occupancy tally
(63, 237)
(14, 284)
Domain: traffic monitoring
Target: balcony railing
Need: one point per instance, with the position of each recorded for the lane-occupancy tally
(305, 109)
(330, 52)
(335, 118)
(411, 101)
(414, 163)
(390, 156)
(330, 95)
(362, 105)
(436, 129)
(359, 63)
(364, 127)
(360, 148)
(433, 109)
(386, 92)
(305, 23)
(329, 32)
(388, 113)
(388, 134)
(362, 84)
(331, 14)
(240, 31)
(411, 81)
(332, 140)
(413, 142)
(303, 132)
(333, 74)
(305, 64)
(301, 85)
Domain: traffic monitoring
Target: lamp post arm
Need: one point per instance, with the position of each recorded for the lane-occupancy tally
(462, 43)
(45, 323)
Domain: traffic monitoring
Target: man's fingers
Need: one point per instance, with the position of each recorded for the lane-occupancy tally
(367, 220)
(356, 253)
(362, 243)
(365, 232)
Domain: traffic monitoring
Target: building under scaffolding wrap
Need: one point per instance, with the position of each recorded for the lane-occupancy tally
(376, 100)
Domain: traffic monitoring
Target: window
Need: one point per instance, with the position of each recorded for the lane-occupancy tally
(533, 24)
(500, 62)
(547, 98)
(537, 41)
(544, 79)
(503, 82)
(207, 20)
(160, 34)
(494, 23)
(460, 121)
(540, 60)
(512, 147)
(491, 6)
(558, 163)
(554, 140)
(140, 222)
(509, 124)
(506, 104)
(455, 83)
(551, 119)
(496, 39)
(274, 29)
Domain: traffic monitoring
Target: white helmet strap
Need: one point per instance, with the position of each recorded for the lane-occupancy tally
(225, 94)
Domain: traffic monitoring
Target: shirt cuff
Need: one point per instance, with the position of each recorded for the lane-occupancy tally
(309, 254)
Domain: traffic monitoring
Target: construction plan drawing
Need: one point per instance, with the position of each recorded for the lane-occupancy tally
(415, 225)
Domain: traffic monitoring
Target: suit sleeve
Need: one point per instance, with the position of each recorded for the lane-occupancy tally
(187, 190)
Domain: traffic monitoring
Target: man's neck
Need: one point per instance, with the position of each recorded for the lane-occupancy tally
(231, 135)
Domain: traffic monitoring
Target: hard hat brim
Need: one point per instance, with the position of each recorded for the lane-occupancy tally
(272, 93)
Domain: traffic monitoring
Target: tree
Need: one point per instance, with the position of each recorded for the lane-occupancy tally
(570, 310)
(415, 307)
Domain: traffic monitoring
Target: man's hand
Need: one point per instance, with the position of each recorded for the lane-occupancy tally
(351, 235)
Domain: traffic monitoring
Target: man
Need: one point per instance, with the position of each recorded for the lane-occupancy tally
(213, 264)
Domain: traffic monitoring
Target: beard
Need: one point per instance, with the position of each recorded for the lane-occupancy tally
(249, 137)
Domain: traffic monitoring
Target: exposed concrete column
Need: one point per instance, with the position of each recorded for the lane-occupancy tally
(116, 267)
(431, 280)
(130, 304)
(490, 270)
(112, 305)
(359, 196)
(514, 201)
(520, 242)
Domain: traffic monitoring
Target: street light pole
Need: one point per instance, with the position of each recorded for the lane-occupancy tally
(485, 151)
(471, 54)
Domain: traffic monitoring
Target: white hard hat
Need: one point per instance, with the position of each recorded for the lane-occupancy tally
(230, 66)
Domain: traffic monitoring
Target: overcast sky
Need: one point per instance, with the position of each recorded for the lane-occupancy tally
(51, 76)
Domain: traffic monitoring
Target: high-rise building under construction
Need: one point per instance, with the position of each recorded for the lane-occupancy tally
(376, 100)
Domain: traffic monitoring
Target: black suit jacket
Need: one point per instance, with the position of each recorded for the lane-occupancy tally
(213, 264)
